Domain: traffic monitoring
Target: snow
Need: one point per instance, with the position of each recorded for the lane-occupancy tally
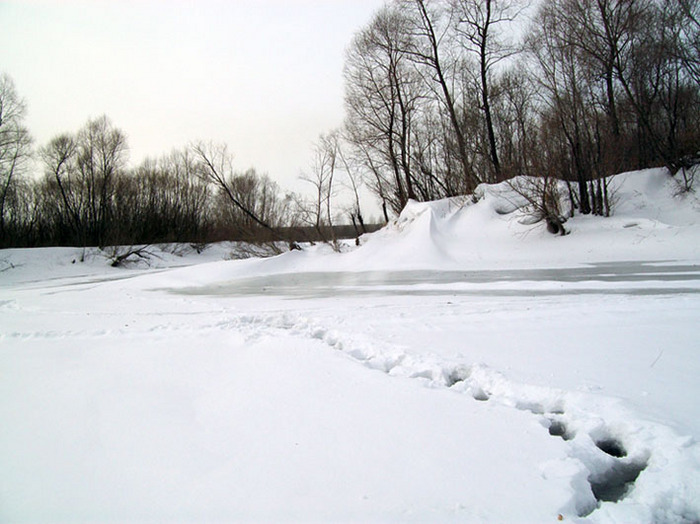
(459, 366)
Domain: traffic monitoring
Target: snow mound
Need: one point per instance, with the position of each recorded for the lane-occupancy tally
(655, 196)
(651, 221)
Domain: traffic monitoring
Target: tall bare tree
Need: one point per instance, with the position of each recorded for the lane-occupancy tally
(322, 175)
(656, 72)
(15, 151)
(216, 167)
(259, 194)
(481, 26)
(353, 182)
(431, 27)
(565, 89)
(162, 200)
(68, 202)
(85, 168)
(689, 36)
(381, 98)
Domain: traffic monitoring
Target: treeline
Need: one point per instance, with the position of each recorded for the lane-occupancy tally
(87, 195)
(442, 95)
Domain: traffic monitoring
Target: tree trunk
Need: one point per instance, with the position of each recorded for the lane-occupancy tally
(485, 95)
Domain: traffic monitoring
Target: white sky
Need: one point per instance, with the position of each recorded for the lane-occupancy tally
(264, 76)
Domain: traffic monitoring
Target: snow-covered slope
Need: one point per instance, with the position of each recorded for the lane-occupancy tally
(459, 366)
(651, 222)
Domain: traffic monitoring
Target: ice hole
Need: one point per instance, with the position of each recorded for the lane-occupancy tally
(612, 447)
(558, 429)
(614, 484)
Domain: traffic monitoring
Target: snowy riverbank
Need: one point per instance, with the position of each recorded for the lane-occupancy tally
(459, 366)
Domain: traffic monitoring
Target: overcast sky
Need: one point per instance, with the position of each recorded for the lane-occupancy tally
(264, 76)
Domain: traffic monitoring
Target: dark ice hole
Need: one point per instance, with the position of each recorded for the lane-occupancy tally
(614, 484)
(612, 447)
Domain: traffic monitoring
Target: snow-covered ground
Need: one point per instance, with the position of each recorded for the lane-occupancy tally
(459, 366)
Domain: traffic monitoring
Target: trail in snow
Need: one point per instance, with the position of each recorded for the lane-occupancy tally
(612, 445)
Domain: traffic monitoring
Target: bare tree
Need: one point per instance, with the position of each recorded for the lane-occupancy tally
(258, 194)
(656, 73)
(101, 159)
(354, 182)
(59, 158)
(189, 194)
(162, 200)
(85, 168)
(481, 26)
(322, 177)
(374, 176)
(689, 36)
(565, 86)
(382, 91)
(431, 31)
(516, 122)
(216, 167)
(15, 151)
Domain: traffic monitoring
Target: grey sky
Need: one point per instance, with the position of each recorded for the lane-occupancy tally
(264, 76)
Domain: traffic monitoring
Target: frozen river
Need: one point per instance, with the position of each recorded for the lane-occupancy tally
(632, 278)
(188, 395)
